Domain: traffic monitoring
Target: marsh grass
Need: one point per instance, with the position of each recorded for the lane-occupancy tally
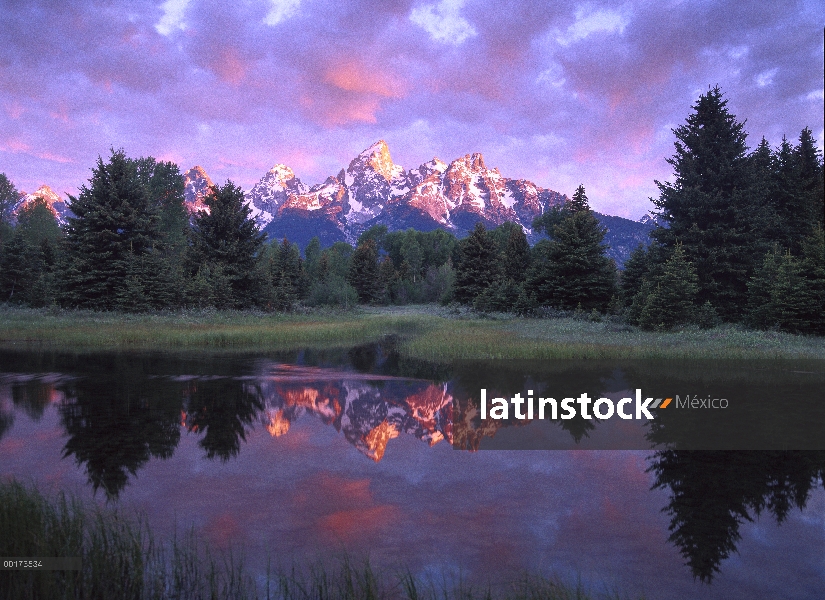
(430, 333)
(121, 559)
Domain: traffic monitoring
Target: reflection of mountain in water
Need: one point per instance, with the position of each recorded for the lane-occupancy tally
(121, 411)
(369, 410)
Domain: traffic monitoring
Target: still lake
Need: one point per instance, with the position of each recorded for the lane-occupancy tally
(306, 455)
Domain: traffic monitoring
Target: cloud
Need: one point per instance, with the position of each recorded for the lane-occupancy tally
(553, 92)
(443, 21)
(280, 11)
(766, 77)
(590, 21)
(172, 19)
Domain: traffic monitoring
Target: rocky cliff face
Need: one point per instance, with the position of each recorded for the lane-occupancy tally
(373, 190)
(196, 187)
(58, 205)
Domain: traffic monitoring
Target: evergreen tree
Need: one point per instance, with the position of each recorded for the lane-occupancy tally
(363, 272)
(387, 278)
(477, 268)
(227, 242)
(548, 220)
(809, 171)
(572, 269)
(313, 258)
(672, 296)
(27, 266)
(708, 208)
(287, 274)
(635, 271)
(9, 197)
(812, 294)
(113, 239)
(165, 186)
(579, 202)
(761, 311)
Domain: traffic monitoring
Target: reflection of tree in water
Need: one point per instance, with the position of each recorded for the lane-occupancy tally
(117, 420)
(221, 409)
(712, 493)
(564, 379)
(33, 397)
(6, 421)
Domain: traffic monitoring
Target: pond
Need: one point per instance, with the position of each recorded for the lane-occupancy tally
(306, 455)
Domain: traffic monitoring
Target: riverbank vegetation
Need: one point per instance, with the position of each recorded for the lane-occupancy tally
(122, 558)
(427, 332)
(739, 240)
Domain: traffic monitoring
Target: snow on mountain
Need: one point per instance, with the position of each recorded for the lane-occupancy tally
(370, 179)
(374, 190)
(57, 204)
(272, 191)
(196, 187)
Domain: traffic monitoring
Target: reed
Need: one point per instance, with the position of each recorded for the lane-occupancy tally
(121, 558)
(429, 333)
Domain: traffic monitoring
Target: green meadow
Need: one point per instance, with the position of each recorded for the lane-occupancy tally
(427, 332)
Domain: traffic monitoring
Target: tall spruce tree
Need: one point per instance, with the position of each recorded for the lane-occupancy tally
(709, 208)
(477, 268)
(113, 243)
(672, 296)
(9, 197)
(363, 272)
(579, 201)
(225, 247)
(27, 265)
(572, 269)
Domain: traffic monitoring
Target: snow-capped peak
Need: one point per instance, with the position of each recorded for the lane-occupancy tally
(281, 173)
(376, 157)
(53, 200)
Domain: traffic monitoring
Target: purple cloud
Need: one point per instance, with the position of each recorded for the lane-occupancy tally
(560, 94)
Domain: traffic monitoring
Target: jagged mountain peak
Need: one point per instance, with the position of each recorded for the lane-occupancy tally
(377, 158)
(281, 173)
(197, 171)
(53, 200)
(473, 162)
(196, 186)
(436, 164)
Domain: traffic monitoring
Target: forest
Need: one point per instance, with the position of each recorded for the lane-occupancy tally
(740, 240)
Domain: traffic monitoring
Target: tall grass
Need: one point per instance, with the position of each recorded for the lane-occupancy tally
(428, 332)
(121, 559)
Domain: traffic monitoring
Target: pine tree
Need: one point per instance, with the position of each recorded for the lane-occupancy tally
(672, 297)
(387, 278)
(114, 224)
(579, 202)
(228, 243)
(287, 275)
(761, 311)
(363, 272)
(477, 268)
(812, 292)
(36, 239)
(9, 197)
(573, 269)
(708, 208)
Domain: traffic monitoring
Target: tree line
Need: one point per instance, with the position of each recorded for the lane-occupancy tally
(740, 239)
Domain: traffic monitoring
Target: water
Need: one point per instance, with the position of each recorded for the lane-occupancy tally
(307, 455)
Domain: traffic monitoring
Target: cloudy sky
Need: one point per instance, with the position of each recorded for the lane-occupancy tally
(555, 92)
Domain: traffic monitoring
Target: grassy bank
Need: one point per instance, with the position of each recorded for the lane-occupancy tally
(121, 558)
(428, 332)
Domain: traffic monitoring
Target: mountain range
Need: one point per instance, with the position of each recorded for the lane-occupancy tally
(373, 190)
